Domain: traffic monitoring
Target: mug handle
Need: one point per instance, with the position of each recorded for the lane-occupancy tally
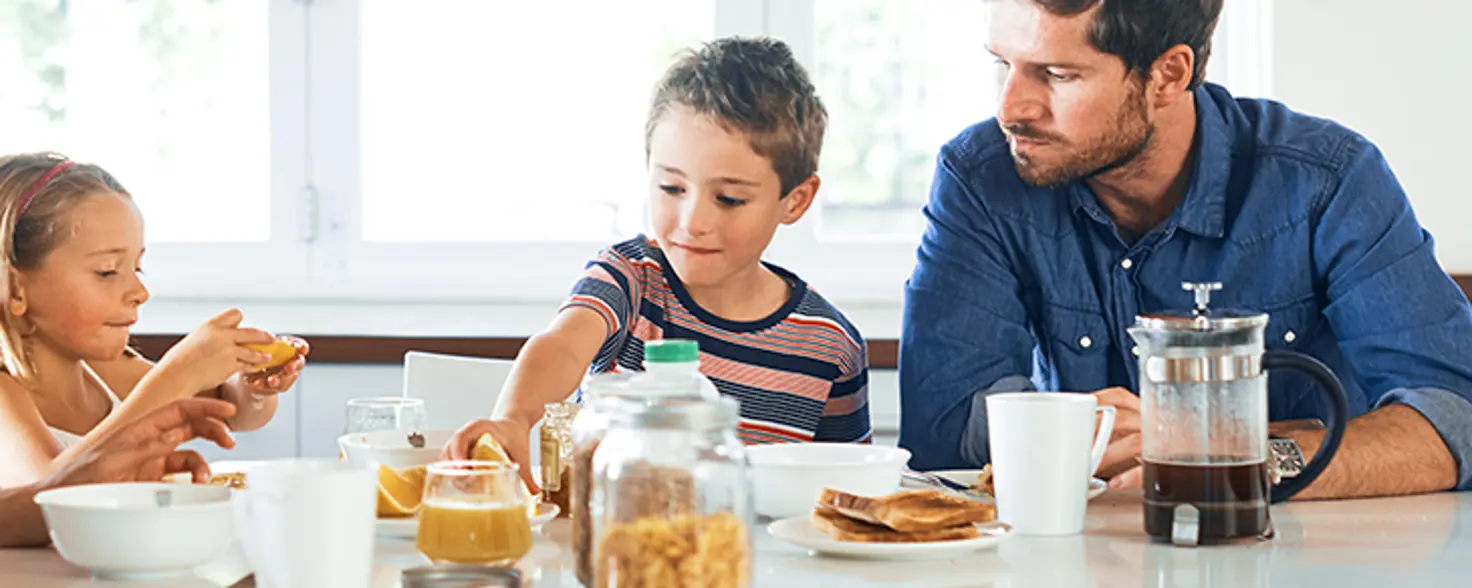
(1338, 416)
(1101, 438)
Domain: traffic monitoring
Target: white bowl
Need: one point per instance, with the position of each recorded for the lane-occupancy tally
(120, 531)
(788, 478)
(392, 448)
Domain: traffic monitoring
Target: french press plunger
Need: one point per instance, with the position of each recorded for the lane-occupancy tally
(1204, 421)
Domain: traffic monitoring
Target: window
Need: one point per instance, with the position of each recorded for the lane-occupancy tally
(470, 150)
(168, 95)
(454, 117)
(899, 80)
(175, 98)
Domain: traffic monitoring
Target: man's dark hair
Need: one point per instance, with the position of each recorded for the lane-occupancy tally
(1140, 31)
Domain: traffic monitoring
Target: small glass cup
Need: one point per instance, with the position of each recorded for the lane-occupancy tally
(474, 512)
(365, 415)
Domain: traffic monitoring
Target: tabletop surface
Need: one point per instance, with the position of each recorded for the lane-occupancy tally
(1402, 542)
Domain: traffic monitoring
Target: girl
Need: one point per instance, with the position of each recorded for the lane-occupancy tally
(71, 247)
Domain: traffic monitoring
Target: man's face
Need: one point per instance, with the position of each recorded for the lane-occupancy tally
(1069, 110)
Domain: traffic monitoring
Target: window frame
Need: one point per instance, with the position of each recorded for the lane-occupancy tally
(316, 252)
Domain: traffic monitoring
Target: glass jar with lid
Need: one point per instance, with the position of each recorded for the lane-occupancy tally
(671, 496)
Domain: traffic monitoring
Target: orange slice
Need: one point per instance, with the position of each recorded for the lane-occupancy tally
(400, 492)
(279, 350)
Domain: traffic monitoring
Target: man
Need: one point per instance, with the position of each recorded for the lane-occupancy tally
(1110, 175)
(141, 451)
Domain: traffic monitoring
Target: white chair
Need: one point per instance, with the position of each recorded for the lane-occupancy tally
(456, 389)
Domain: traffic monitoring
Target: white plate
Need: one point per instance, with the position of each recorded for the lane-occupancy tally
(968, 477)
(405, 528)
(800, 531)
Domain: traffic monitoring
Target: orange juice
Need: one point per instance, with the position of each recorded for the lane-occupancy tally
(474, 530)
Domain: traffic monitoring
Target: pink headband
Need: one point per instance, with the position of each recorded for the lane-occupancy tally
(41, 183)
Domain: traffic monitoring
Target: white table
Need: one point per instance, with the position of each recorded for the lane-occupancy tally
(1400, 542)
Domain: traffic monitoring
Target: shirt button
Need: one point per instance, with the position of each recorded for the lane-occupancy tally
(1135, 350)
(1127, 263)
(1289, 336)
(1085, 342)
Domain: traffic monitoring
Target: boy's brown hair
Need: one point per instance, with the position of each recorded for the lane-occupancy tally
(753, 86)
(38, 192)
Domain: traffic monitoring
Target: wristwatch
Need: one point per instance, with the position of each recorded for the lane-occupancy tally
(1285, 458)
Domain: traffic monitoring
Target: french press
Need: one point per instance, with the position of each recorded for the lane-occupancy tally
(1204, 421)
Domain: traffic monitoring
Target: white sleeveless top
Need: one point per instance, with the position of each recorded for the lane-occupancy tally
(67, 438)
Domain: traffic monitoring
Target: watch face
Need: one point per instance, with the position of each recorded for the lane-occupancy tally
(1286, 456)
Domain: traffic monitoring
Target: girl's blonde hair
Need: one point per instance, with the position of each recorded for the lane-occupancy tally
(38, 191)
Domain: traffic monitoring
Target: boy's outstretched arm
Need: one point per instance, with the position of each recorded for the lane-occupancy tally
(549, 368)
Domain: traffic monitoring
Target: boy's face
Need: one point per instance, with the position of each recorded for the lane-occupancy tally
(85, 295)
(714, 202)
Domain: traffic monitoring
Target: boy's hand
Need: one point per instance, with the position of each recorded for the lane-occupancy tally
(213, 353)
(514, 437)
(278, 379)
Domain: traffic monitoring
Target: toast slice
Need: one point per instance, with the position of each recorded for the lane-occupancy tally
(909, 511)
(842, 528)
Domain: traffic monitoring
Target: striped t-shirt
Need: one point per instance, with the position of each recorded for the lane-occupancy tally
(800, 374)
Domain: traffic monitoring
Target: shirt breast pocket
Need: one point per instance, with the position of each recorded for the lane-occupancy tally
(1298, 326)
(1294, 326)
(1073, 351)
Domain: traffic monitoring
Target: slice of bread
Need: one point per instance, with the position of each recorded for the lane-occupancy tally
(909, 511)
(842, 528)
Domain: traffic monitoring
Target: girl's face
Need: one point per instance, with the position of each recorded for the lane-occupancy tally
(84, 296)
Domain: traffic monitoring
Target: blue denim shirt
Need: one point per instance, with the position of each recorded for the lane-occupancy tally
(1020, 287)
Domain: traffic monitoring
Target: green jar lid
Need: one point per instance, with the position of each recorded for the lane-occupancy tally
(671, 351)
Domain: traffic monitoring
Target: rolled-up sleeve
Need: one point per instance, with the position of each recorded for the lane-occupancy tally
(965, 328)
(1403, 325)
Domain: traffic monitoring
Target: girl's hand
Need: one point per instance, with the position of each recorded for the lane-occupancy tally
(213, 353)
(278, 379)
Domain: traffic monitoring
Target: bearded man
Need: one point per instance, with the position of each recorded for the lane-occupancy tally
(1112, 174)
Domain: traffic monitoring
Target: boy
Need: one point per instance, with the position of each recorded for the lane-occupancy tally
(732, 143)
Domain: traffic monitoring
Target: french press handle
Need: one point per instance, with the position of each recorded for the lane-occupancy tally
(1338, 416)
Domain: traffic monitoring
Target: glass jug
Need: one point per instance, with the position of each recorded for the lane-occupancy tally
(1204, 422)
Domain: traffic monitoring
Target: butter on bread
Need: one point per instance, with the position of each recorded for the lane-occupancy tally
(909, 510)
(229, 480)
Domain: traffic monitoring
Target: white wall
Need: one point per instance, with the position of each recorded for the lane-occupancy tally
(1396, 72)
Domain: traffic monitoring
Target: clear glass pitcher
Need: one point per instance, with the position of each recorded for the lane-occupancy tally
(1204, 422)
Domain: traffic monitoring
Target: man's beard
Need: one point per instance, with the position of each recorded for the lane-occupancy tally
(1131, 137)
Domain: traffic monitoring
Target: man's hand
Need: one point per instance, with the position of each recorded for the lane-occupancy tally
(147, 449)
(1124, 443)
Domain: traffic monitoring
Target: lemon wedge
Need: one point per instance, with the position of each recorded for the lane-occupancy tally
(488, 449)
(279, 350)
(400, 492)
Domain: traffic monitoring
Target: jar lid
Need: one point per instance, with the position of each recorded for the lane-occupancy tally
(672, 351)
(679, 413)
(459, 576)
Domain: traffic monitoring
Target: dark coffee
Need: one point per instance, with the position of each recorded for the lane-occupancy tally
(1232, 499)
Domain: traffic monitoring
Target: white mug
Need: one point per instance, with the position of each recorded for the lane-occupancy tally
(308, 523)
(1042, 458)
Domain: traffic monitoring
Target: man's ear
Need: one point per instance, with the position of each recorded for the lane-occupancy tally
(797, 202)
(1170, 75)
